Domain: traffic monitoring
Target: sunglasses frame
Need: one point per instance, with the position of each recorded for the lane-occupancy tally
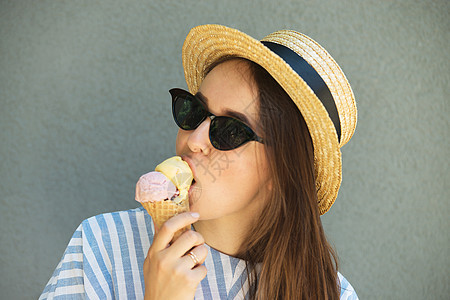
(177, 93)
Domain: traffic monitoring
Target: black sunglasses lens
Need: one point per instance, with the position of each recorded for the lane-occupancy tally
(227, 133)
(188, 112)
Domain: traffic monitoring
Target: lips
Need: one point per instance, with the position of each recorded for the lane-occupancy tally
(191, 165)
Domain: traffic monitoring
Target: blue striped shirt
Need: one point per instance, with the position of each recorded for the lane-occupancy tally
(105, 256)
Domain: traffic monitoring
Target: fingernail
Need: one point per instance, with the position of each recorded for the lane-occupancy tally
(195, 215)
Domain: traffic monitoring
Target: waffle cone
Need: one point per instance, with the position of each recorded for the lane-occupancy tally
(161, 211)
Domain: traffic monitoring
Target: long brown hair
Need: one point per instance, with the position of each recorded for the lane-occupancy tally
(287, 254)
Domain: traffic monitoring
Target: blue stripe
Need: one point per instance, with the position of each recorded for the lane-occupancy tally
(206, 289)
(74, 249)
(70, 281)
(137, 245)
(234, 262)
(71, 265)
(219, 273)
(90, 274)
(148, 224)
(126, 262)
(109, 249)
(48, 287)
(92, 277)
(66, 282)
(77, 234)
(237, 286)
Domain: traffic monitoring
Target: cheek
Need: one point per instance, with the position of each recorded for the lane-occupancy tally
(244, 184)
(245, 171)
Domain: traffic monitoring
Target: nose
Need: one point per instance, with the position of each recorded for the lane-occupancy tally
(198, 140)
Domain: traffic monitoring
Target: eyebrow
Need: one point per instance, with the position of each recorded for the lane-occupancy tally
(232, 113)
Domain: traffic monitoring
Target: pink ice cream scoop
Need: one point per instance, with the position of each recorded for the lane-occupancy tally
(154, 187)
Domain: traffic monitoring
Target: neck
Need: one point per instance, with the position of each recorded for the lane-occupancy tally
(225, 236)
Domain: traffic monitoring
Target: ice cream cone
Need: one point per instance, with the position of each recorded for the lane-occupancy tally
(163, 210)
(164, 207)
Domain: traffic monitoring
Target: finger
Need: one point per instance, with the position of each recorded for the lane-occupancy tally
(198, 273)
(168, 229)
(191, 278)
(185, 242)
(195, 257)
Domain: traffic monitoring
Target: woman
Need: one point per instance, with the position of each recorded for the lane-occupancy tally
(262, 136)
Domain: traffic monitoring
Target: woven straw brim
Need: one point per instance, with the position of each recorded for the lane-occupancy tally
(207, 43)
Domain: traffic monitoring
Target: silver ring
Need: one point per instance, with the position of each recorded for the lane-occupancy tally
(194, 258)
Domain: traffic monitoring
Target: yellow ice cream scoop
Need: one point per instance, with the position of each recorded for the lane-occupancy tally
(178, 171)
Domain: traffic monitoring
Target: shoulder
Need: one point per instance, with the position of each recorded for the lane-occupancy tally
(120, 222)
(134, 222)
(347, 291)
(139, 215)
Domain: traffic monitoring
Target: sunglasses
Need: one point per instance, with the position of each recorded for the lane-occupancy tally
(225, 133)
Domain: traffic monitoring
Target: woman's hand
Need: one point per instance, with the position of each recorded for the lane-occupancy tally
(170, 272)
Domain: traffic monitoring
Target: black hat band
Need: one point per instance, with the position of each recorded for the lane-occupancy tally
(311, 77)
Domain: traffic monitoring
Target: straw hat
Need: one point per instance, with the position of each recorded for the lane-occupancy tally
(306, 71)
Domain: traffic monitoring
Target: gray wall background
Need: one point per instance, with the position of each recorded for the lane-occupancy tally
(85, 111)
